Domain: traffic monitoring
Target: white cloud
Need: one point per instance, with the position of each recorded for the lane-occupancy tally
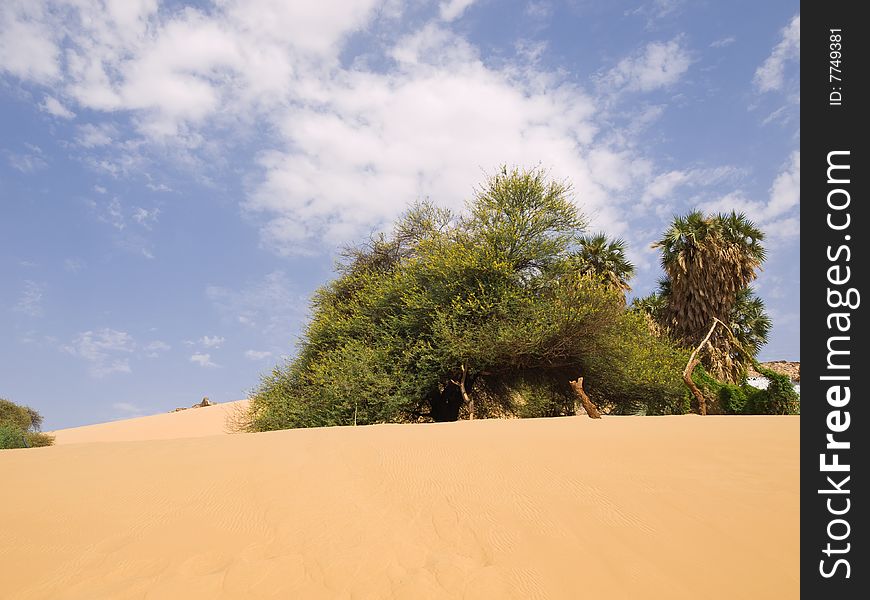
(273, 305)
(92, 136)
(783, 114)
(203, 360)
(663, 186)
(770, 75)
(310, 28)
(129, 239)
(778, 216)
(212, 342)
(723, 42)
(655, 10)
(373, 143)
(539, 10)
(663, 8)
(29, 161)
(257, 354)
(785, 193)
(174, 67)
(153, 349)
(30, 301)
(52, 106)
(106, 350)
(144, 217)
(658, 65)
(615, 170)
(73, 265)
(451, 10)
(431, 45)
(28, 45)
(351, 145)
(112, 213)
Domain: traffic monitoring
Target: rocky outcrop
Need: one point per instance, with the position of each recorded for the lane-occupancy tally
(205, 402)
(784, 367)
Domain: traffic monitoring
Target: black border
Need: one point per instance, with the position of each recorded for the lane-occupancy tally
(827, 128)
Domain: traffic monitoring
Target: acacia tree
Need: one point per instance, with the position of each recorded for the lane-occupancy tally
(20, 426)
(709, 262)
(480, 314)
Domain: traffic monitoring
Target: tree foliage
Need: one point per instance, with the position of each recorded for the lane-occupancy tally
(741, 398)
(19, 426)
(498, 306)
(710, 262)
(605, 258)
(14, 414)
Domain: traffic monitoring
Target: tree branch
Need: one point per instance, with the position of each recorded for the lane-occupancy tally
(591, 409)
(693, 362)
(465, 396)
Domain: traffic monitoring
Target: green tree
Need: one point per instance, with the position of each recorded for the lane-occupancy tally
(606, 259)
(709, 262)
(19, 426)
(481, 314)
(15, 414)
(748, 321)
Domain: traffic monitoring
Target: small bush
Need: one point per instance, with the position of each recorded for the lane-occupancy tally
(779, 398)
(19, 427)
(11, 436)
(733, 398)
(36, 439)
(536, 394)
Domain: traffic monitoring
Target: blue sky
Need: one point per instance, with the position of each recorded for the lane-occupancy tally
(176, 179)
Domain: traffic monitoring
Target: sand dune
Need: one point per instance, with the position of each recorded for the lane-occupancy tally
(193, 422)
(624, 507)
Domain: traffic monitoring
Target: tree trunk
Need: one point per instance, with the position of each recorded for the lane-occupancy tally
(687, 377)
(690, 366)
(465, 396)
(447, 403)
(587, 403)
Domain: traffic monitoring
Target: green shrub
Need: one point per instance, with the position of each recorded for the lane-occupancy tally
(541, 401)
(12, 413)
(721, 398)
(19, 426)
(633, 370)
(780, 397)
(36, 439)
(11, 436)
(526, 395)
(733, 398)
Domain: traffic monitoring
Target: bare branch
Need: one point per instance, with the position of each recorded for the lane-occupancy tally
(587, 403)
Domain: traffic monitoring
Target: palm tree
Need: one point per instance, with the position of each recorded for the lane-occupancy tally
(710, 261)
(606, 259)
(749, 323)
(656, 303)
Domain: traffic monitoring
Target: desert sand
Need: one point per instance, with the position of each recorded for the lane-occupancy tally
(191, 422)
(622, 507)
